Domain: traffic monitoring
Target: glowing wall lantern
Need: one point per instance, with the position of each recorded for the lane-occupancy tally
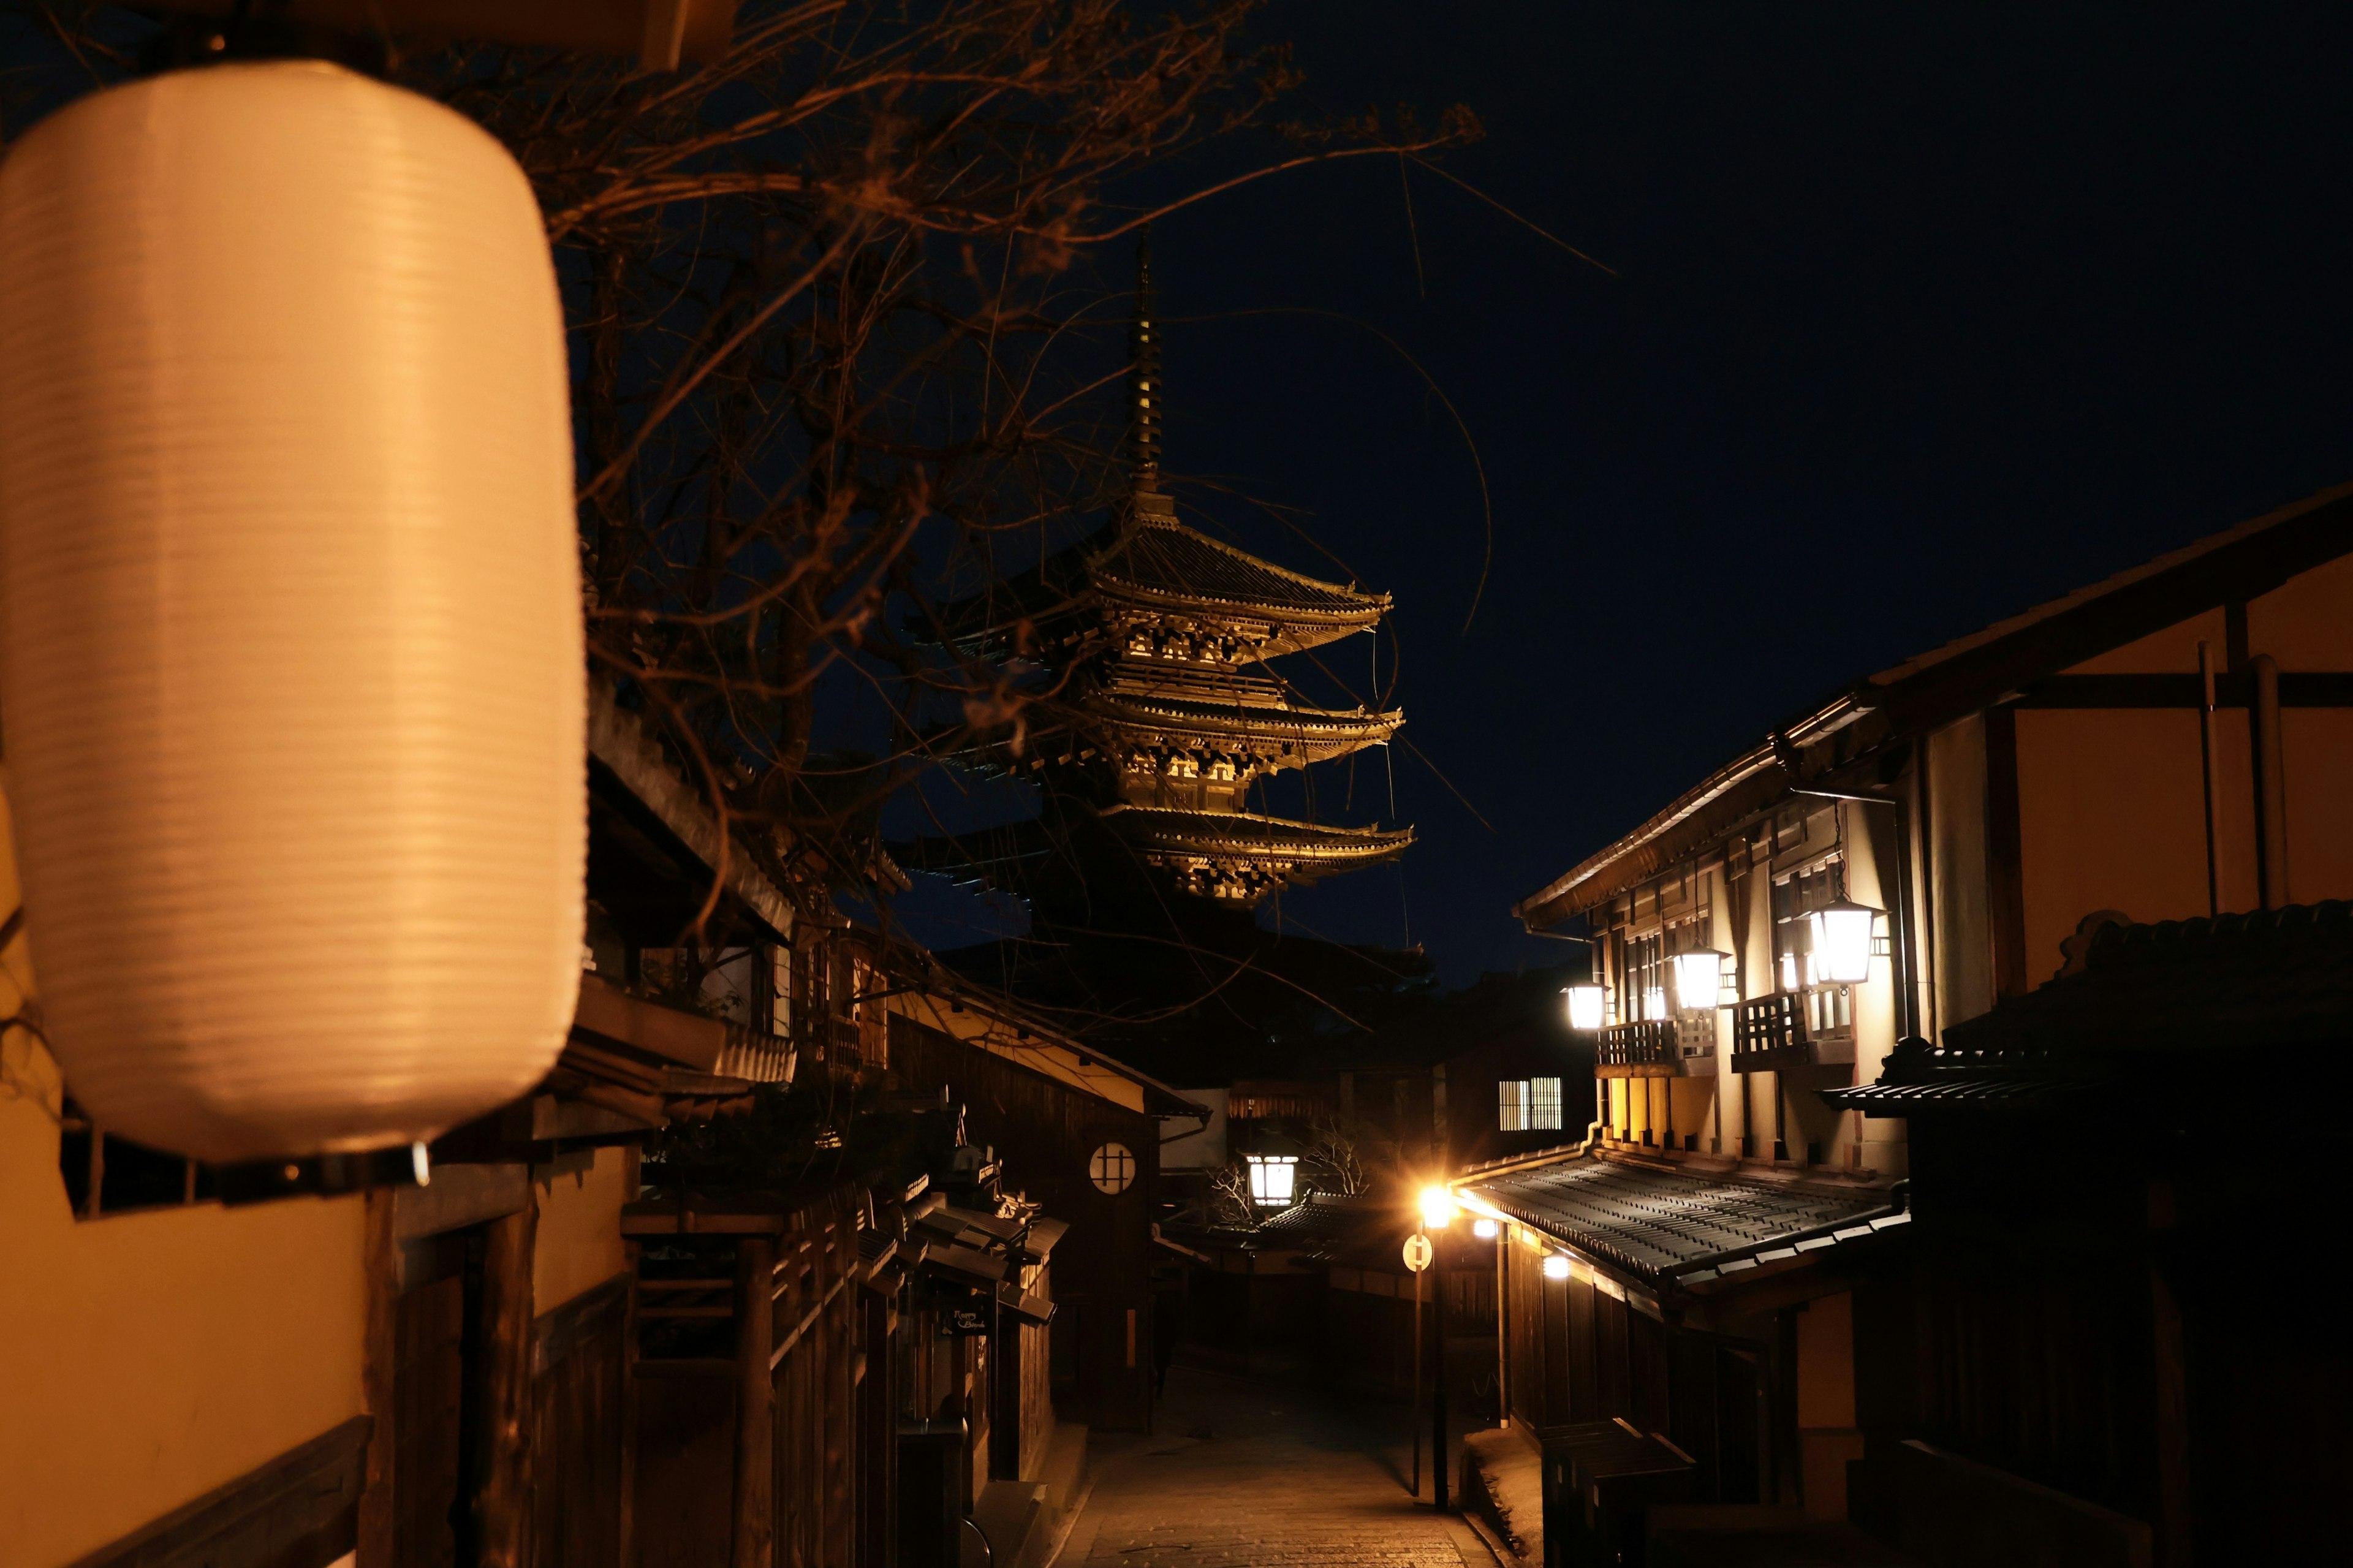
(1586, 1006)
(1485, 1229)
(1699, 980)
(1654, 1002)
(290, 650)
(1556, 1266)
(1273, 1179)
(1842, 933)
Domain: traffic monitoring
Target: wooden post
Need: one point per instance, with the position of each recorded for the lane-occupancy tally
(755, 1421)
(2271, 787)
(502, 1497)
(379, 1277)
(628, 1522)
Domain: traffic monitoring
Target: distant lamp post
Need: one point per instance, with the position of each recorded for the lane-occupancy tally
(1587, 1005)
(1699, 980)
(1437, 1211)
(1654, 1002)
(1842, 933)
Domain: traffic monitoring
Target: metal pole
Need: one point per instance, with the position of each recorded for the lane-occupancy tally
(1416, 1421)
(1437, 1372)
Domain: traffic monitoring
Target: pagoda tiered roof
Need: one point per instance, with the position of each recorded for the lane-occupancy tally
(1154, 568)
(1181, 707)
(1242, 855)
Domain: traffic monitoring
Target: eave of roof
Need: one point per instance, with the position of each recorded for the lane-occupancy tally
(1217, 832)
(1311, 600)
(1659, 1224)
(1959, 677)
(616, 740)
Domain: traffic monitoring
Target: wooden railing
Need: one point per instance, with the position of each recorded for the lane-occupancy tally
(1646, 1049)
(1768, 1034)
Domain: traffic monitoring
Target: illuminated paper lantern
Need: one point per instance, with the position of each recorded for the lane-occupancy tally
(290, 654)
(1841, 936)
(1699, 979)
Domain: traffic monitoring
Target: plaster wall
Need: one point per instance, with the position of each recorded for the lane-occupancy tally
(2112, 815)
(1961, 978)
(2173, 651)
(149, 1357)
(2307, 623)
(577, 1245)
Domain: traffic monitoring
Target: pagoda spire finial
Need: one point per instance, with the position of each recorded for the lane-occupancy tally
(1144, 393)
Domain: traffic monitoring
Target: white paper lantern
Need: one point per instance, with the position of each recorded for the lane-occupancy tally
(290, 662)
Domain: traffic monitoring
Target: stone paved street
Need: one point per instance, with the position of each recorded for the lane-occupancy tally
(1247, 1475)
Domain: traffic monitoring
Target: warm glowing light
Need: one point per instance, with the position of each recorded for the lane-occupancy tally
(1556, 1266)
(1586, 1006)
(1842, 933)
(1654, 1003)
(1273, 1179)
(1437, 1207)
(289, 611)
(1485, 1229)
(1699, 977)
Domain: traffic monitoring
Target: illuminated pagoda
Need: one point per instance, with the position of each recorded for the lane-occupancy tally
(1163, 714)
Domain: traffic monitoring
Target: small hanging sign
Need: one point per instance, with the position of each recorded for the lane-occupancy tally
(1419, 1252)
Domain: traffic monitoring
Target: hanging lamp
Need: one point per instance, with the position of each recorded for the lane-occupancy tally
(291, 651)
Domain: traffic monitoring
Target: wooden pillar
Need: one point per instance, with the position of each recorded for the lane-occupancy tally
(2271, 787)
(754, 1536)
(503, 1495)
(379, 1277)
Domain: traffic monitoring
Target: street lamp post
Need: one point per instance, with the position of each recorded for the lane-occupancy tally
(1437, 1213)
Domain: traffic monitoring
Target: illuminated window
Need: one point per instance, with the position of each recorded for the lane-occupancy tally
(1111, 1168)
(1273, 1179)
(1542, 1104)
(1512, 1107)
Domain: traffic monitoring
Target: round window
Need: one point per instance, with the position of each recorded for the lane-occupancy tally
(1111, 1168)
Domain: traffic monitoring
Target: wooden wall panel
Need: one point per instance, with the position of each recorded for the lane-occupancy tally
(577, 1385)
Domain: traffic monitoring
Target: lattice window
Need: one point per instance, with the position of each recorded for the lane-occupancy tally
(1542, 1104)
(1512, 1106)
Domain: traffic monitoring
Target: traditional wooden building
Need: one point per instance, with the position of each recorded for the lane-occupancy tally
(1926, 847)
(1163, 711)
(2073, 1310)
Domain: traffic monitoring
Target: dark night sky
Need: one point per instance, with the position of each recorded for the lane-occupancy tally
(1926, 314)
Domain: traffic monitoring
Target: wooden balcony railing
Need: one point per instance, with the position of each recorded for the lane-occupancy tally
(1768, 1034)
(1647, 1049)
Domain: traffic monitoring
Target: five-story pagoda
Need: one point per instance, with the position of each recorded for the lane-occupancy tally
(1159, 713)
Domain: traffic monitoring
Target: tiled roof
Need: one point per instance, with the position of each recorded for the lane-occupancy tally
(1235, 832)
(2268, 984)
(1656, 1223)
(1165, 558)
(2270, 978)
(1324, 1218)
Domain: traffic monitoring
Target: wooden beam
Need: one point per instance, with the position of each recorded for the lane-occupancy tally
(502, 1494)
(2004, 856)
(380, 1278)
(754, 1537)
